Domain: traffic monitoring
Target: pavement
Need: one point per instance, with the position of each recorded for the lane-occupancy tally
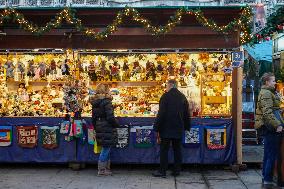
(41, 176)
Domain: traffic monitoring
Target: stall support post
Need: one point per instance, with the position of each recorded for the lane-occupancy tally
(237, 78)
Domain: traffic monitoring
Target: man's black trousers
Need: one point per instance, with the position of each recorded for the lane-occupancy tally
(164, 148)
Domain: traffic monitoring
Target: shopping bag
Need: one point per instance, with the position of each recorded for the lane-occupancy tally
(97, 148)
(6, 135)
(27, 136)
(49, 137)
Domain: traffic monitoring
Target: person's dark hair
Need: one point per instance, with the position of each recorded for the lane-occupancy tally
(173, 83)
(266, 77)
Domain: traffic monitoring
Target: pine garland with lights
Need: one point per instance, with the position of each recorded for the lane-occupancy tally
(69, 16)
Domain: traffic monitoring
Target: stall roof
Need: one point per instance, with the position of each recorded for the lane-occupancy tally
(261, 51)
(130, 35)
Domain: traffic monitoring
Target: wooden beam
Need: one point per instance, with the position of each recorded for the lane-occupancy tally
(124, 31)
(120, 41)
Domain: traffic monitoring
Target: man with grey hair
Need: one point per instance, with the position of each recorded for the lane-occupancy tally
(172, 119)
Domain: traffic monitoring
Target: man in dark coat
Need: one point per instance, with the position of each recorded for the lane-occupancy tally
(172, 119)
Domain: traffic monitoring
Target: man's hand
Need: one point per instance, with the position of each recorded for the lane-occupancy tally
(279, 129)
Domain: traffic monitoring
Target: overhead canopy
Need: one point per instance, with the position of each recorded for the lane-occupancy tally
(261, 51)
(130, 35)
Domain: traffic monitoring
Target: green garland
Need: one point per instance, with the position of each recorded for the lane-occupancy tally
(67, 14)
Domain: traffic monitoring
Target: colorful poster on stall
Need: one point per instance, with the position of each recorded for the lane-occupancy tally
(123, 137)
(6, 135)
(192, 138)
(216, 137)
(27, 136)
(259, 17)
(49, 137)
(143, 136)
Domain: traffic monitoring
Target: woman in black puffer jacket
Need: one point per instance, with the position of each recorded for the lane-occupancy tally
(104, 123)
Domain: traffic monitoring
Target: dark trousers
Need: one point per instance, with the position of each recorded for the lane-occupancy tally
(271, 152)
(164, 149)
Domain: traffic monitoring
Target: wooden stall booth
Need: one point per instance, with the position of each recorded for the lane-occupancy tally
(136, 62)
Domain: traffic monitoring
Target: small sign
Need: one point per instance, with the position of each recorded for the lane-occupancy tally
(236, 64)
(238, 56)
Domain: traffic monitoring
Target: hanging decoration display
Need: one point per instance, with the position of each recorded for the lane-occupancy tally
(68, 15)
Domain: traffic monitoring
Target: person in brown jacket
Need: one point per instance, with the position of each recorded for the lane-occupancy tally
(270, 125)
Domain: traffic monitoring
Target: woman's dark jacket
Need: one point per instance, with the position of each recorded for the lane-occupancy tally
(104, 121)
(173, 116)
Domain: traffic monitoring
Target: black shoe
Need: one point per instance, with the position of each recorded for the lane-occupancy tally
(175, 173)
(159, 174)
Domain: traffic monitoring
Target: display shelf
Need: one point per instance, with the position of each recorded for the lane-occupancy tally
(215, 98)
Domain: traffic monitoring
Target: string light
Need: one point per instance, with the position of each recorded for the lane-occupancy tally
(68, 15)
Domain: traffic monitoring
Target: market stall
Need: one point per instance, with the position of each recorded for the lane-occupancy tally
(41, 86)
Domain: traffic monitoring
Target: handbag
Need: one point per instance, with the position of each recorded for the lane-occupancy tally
(278, 115)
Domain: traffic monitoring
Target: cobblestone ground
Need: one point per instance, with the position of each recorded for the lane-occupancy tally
(125, 177)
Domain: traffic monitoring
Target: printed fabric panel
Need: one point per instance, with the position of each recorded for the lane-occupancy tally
(27, 136)
(216, 137)
(49, 137)
(193, 137)
(123, 137)
(143, 136)
(6, 135)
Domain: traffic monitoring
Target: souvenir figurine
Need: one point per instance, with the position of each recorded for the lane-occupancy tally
(59, 74)
(37, 73)
(215, 67)
(182, 69)
(21, 69)
(9, 66)
(92, 71)
(170, 69)
(103, 72)
(42, 68)
(31, 69)
(151, 71)
(53, 69)
(193, 68)
(114, 71)
(65, 68)
(126, 71)
(135, 74)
